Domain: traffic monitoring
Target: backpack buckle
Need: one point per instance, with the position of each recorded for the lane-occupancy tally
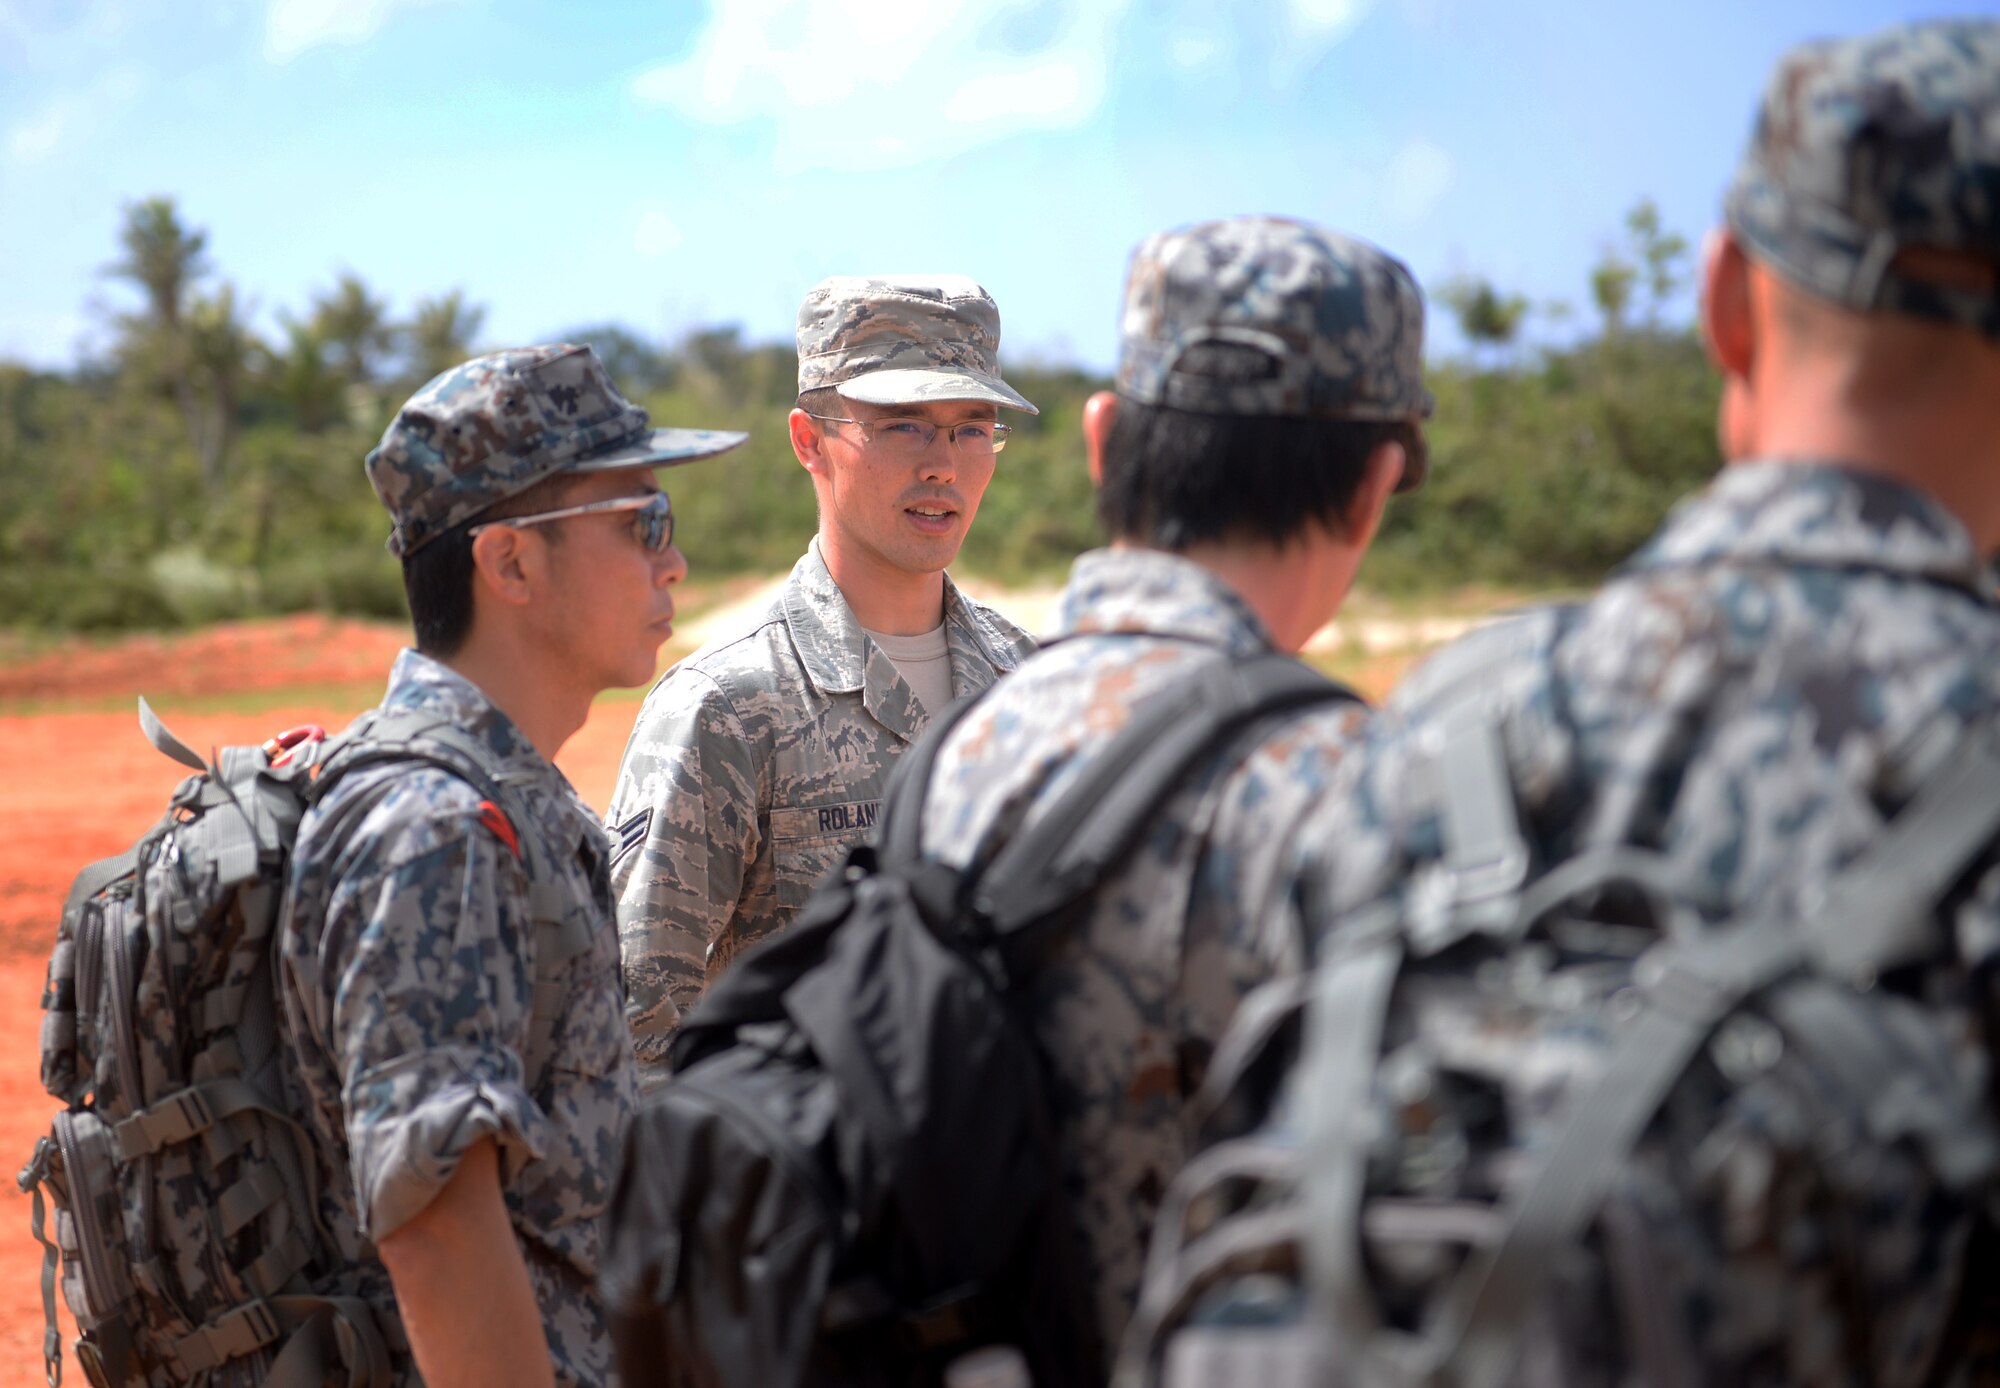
(37, 1169)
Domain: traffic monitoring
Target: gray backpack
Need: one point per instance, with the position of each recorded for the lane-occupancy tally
(186, 1201)
(1271, 1250)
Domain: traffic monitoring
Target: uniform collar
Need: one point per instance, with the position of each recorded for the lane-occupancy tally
(417, 681)
(1818, 515)
(1161, 594)
(840, 659)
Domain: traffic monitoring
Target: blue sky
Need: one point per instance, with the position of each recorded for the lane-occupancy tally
(673, 165)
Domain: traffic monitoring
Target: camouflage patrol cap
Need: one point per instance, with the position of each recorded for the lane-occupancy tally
(903, 341)
(1266, 316)
(1868, 149)
(498, 424)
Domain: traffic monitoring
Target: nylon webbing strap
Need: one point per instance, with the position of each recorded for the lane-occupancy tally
(422, 736)
(184, 1114)
(1901, 1093)
(1880, 910)
(1179, 1268)
(31, 1180)
(1688, 988)
(322, 1335)
(157, 734)
(1484, 854)
(902, 826)
(1075, 843)
(100, 875)
(1342, 1039)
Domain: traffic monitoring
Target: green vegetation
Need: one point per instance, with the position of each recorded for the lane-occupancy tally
(201, 472)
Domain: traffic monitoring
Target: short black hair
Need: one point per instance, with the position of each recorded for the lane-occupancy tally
(437, 579)
(822, 401)
(1174, 478)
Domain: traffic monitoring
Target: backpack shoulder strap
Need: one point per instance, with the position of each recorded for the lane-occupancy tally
(1070, 850)
(900, 837)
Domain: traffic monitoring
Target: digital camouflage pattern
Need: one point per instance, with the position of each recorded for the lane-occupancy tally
(1867, 148)
(1130, 1005)
(408, 976)
(1753, 697)
(756, 763)
(496, 425)
(903, 340)
(1265, 316)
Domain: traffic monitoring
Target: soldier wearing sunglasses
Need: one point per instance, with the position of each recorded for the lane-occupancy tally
(462, 1161)
(759, 760)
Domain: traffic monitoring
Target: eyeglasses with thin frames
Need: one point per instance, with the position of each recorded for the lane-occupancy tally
(912, 436)
(652, 518)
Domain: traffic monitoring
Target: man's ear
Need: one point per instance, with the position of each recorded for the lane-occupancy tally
(1727, 323)
(1099, 412)
(508, 563)
(808, 442)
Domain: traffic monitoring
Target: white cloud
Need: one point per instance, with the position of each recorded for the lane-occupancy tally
(69, 119)
(1418, 176)
(1310, 29)
(657, 233)
(874, 84)
(292, 27)
(1192, 50)
(40, 136)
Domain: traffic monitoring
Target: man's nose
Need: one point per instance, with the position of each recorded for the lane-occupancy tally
(940, 460)
(670, 567)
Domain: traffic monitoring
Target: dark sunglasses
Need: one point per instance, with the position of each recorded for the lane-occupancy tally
(652, 518)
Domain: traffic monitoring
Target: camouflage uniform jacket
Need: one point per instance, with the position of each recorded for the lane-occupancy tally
(755, 765)
(1130, 1006)
(407, 982)
(1752, 696)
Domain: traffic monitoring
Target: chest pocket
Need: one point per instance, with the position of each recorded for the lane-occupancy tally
(808, 843)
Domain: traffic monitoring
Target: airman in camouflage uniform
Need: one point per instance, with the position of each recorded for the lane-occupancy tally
(1239, 545)
(1760, 688)
(409, 955)
(760, 760)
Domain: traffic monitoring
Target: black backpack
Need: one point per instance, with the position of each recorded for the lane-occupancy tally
(185, 1193)
(851, 1176)
(1261, 1267)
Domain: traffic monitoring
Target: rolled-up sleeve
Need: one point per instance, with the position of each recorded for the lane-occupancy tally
(685, 821)
(429, 962)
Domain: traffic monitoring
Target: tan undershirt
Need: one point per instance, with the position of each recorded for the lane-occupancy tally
(923, 660)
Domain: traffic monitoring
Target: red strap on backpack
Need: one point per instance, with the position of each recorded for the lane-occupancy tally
(279, 749)
(494, 818)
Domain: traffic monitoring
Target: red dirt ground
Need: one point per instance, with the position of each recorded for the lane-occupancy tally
(77, 786)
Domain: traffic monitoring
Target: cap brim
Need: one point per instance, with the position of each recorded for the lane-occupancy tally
(663, 448)
(912, 387)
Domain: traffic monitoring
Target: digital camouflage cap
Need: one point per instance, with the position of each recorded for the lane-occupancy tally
(1869, 152)
(903, 340)
(1266, 316)
(496, 425)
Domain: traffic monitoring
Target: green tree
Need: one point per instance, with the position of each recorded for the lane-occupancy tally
(1611, 282)
(305, 378)
(441, 334)
(220, 350)
(192, 348)
(1661, 255)
(353, 326)
(1486, 316)
(161, 256)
